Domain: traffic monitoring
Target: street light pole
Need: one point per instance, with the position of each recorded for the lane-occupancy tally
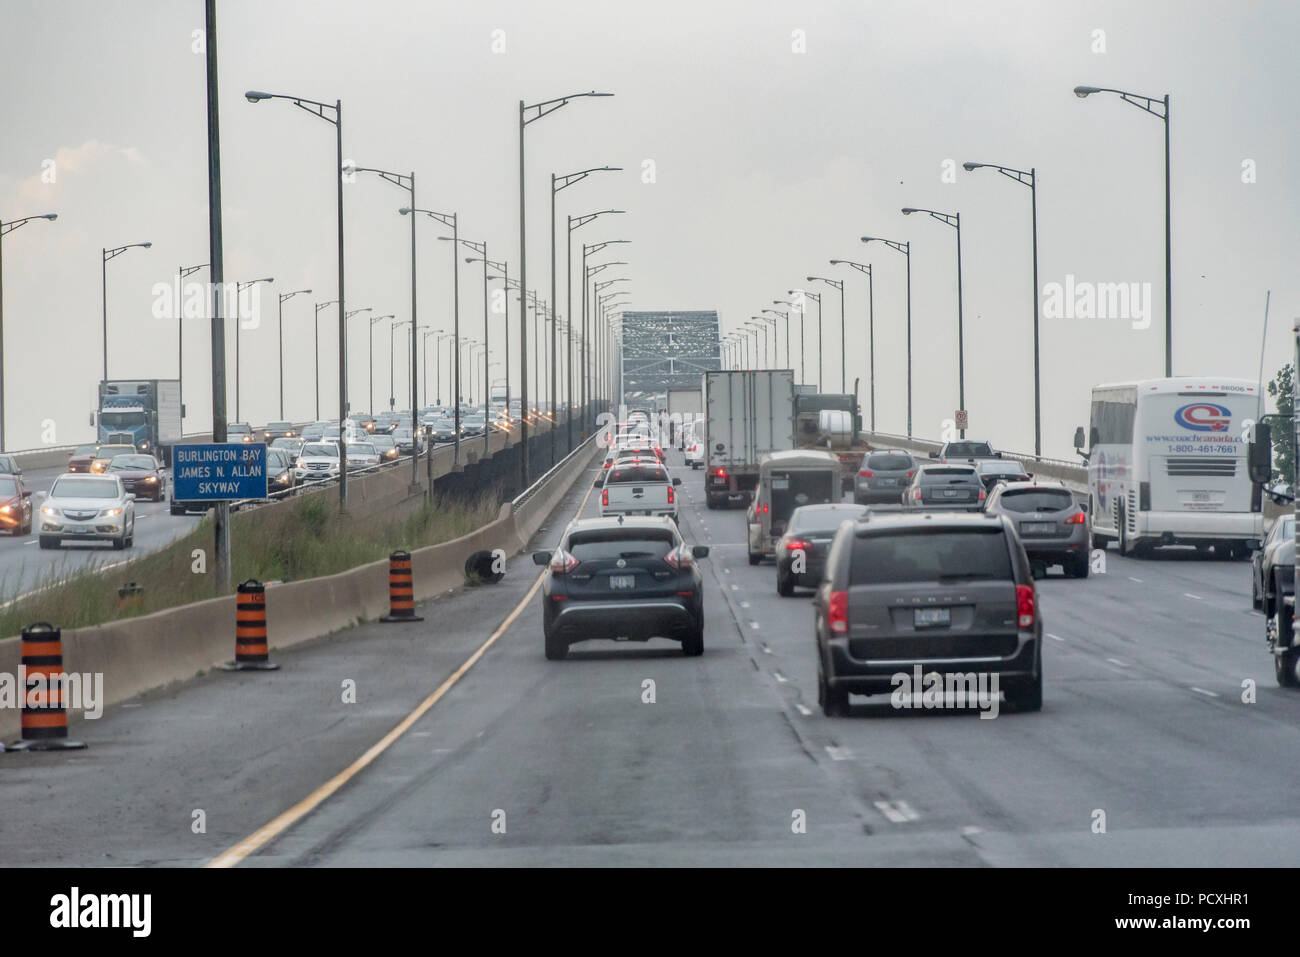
(1148, 104)
(319, 307)
(835, 284)
(283, 296)
(452, 220)
(103, 279)
(239, 288)
(906, 249)
(1030, 178)
(322, 110)
(182, 272)
(6, 229)
(871, 328)
(953, 220)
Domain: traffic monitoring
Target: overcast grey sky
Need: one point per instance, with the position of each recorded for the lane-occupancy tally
(767, 163)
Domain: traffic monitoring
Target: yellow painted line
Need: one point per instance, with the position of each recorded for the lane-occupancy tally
(270, 831)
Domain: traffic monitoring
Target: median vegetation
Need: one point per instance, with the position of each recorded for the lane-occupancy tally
(300, 538)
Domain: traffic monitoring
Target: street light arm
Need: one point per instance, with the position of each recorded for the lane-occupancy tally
(315, 107)
(904, 248)
(546, 107)
(1140, 100)
(447, 219)
(404, 180)
(568, 179)
(950, 219)
(13, 224)
(114, 253)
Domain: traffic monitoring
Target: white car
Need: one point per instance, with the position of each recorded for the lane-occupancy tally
(88, 508)
(362, 455)
(639, 488)
(316, 462)
(694, 451)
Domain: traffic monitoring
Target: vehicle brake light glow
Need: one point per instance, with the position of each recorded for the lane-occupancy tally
(1025, 606)
(796, 544)
(1076, 519)
(604, 496)
(671, 497)
(916, 494)
(837, 612)
(866, 473)
(680, 558)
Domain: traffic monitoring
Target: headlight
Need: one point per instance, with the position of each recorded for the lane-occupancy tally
(110, 512)
(151, 478)
(7, 509)
(46, 510)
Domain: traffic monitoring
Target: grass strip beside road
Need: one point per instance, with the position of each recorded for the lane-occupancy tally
(301, 538)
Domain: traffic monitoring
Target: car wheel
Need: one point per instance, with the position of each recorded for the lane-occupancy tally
(556, 648)
(693, 644)
(49, 541)
(174, 510)
(755, 559)
(835, 704)
(784, 584)
(711, 502)
(1029, 696)
(1079, 568)
(1284, 668)
(1255, 600)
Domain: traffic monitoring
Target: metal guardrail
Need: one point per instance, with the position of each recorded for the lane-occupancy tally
(529, 492)
(1022, 456)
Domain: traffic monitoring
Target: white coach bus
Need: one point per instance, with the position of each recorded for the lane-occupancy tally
(1167, 464)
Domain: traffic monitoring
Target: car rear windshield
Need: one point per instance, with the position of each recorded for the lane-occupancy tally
(631, 474)
(961, 449)
(889, 462)
(620, 543)
(132, 462)
(1037, 500)
(947, 476)
(326, 450)
(807, 522)
(930, 555)
(84, 488)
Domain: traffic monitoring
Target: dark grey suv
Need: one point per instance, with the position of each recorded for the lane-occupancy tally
(1052, 526)
(883, 474)
(945, 487)
(942, 593)
(622, 579)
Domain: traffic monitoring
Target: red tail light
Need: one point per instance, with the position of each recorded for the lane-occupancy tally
(1025, 606)
(721, 473)
(911, 472)
(866, 473)
(671, 496)
(982, 493)
(604, 496)
(796, 544)
(837, 612)
(1076, 519)
(563, 562)
(917, 494)
(680, 558)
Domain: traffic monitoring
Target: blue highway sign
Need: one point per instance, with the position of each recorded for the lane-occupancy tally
(217, 472)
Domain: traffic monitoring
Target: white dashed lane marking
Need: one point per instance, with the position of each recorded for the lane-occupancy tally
(900, 812)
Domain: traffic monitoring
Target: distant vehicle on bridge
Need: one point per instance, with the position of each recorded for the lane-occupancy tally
(1167, 464)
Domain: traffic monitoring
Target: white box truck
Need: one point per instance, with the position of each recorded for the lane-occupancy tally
(684, 405)
(747, 414)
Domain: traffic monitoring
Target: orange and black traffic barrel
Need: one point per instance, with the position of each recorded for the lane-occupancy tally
(251, 651)
(401, 589)
(44, 715)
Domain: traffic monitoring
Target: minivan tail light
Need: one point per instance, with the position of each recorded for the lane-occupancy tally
(1025, 606)
(911, 472)
(866, 473)
(916, 494)
(983, 494)
(604, 496)
(1076, 519)
(837, 612)
(563, 562)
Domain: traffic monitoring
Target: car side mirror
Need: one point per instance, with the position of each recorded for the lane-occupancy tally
(541, 558)
(677, 481)
(1078, 438)
(700, 551)
(1260, 454)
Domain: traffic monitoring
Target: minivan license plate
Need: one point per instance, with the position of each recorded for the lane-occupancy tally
(622, 581)
(931, 617)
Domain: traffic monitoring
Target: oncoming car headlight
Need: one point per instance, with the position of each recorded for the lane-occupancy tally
(46, 510)
(110, 512)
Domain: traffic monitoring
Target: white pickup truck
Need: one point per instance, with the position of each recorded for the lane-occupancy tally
(639, 489)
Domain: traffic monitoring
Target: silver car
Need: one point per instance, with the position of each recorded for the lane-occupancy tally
(883, 475)
(1052, 526)
(362, 455)
(87, 508)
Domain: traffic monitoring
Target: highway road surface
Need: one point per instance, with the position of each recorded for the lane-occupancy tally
(1144, 752)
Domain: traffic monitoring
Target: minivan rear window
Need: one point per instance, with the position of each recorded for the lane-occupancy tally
(960, 449)
(930, 555)
(1037, 500)
(889, 462)
(624, 476)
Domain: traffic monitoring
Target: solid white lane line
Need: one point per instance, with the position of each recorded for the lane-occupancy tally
(1055, 637)
(1188, 594)
(1116, 661)
(1210, 694)
(1132, 579)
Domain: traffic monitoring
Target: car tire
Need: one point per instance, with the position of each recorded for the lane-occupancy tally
(784, 584)
(755, 559)
(174, 510)
(1029, 696)
(1079, 568)
(119, 544)
(711, 502)
(556, 648)
(835, 704)
(1284, 668)
(49, 541)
